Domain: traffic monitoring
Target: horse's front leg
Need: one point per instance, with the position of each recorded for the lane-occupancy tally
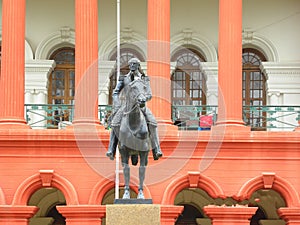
(126, 171)
(142, 172)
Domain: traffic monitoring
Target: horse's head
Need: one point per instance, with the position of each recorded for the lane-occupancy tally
(138, 93)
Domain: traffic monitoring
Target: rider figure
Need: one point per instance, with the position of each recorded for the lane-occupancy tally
(134, 65)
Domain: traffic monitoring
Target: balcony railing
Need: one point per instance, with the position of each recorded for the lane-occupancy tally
(275, 118)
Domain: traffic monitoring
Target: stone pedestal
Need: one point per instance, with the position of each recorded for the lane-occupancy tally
(133, 214)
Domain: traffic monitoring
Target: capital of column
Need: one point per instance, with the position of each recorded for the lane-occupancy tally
(83, 214)
(224, 215)
(169, 214)
(16, 215)
(290, 215)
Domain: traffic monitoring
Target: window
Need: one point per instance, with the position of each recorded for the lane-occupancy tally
(188, 82)
(188, 87)
(62, 80)
(61, 88)
(125, 55)
(254, 93)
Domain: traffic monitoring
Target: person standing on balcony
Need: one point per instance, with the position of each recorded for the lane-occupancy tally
(134, 66)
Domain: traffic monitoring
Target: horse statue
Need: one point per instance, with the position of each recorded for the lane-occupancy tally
(133, 133)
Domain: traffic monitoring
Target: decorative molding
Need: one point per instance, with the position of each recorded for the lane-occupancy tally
(290, 215)
(268, 179)
(46, 177)
(261, 43)
(283, 77)
(188, 37)
(33, 183)
(36, 75)
(129, 38)
(193, 177)
(64, 37)
(177, 185)
(288, 192)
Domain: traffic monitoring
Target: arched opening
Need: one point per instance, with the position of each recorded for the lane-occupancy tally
(259, 215)
(61, 86)
(188, 88)
(46, 199)
(254, 88)
(189, 216)
(268, 202)
(193, 201)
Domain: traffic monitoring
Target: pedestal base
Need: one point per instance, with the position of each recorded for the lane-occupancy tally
(133, 214)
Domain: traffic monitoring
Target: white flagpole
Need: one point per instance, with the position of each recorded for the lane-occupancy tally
(118, 74)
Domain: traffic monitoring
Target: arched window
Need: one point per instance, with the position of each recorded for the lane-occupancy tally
(125, 55)
(254, 93)
(188, 82)
(61, 89)
(62, 80)
(188, 88)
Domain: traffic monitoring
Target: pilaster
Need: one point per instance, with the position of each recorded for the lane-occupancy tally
(224, 215)
(104, 70)
(290, 215)
(210, 70)
(83, 214)
(16, 215)
(37, 73)
(282, 77)
(169, 214)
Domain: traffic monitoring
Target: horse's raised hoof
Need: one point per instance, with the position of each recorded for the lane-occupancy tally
(157, 153)
(126, 194)
(110, 155)
(140, 195)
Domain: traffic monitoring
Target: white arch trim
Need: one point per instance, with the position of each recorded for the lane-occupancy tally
(188, 37)
(64, 37)
(261, 43)
(128, 37)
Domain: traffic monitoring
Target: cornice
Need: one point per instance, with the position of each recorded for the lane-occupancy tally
(39, 65)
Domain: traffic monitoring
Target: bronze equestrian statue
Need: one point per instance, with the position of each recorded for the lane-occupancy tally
(133, 125)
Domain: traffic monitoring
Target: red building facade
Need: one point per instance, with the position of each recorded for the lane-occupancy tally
(227, 175)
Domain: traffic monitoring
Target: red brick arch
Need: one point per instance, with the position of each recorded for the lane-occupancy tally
(191, 180)
(37, 181)
(276, 183)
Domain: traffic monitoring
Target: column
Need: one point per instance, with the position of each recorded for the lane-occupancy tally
(83, 214)
(12, 64)
(86, 62)
(158, 64)
(225, 215)
(290, 215)
(230, 63)
(16, 215)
